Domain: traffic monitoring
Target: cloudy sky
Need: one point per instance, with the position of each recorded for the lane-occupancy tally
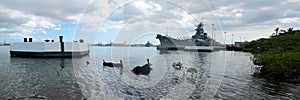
(138, 21)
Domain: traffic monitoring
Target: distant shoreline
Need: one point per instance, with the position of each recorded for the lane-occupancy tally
(5, 45)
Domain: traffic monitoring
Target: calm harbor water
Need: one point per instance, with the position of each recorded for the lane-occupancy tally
(220, 75)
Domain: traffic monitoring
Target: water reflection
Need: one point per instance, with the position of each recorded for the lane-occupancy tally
(272, 87)
(62, 63)
(161, 84)
(85, 77)
(30, 77)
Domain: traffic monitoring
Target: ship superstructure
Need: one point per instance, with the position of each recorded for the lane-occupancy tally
(199, 39)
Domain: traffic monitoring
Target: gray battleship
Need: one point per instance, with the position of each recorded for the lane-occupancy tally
(199, 39)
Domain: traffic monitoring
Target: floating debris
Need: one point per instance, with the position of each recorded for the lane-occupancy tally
(177, 65)
(144, 70)
(192, 70)
(111, 64)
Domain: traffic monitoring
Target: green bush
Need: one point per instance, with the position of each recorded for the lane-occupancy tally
(279, 55)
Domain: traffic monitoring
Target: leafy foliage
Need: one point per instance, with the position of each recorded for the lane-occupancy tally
(279, 55)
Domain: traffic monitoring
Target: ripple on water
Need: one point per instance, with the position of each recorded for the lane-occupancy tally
(75, 79)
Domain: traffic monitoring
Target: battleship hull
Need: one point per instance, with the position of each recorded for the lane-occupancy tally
(199, 39)
(169, 43)
(173, 44)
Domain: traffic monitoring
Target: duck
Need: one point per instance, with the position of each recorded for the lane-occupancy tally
(111, 64)
(142, 70)
(87, 62)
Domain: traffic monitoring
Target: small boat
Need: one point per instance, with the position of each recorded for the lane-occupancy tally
(142, 70)
(111, 64)
(148, 44)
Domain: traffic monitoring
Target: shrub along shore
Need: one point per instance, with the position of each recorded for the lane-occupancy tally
(278, 56)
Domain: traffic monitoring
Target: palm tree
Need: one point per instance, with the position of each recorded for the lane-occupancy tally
(277, 29)
(290, 30)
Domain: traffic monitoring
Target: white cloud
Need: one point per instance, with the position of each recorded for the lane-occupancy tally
(289, 20)
(45, 24)
(292, 1)
(15, 35)
(24, 18)
(29, 17)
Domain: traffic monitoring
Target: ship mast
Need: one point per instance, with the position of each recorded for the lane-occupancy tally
(212, 34)
(166, 31)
